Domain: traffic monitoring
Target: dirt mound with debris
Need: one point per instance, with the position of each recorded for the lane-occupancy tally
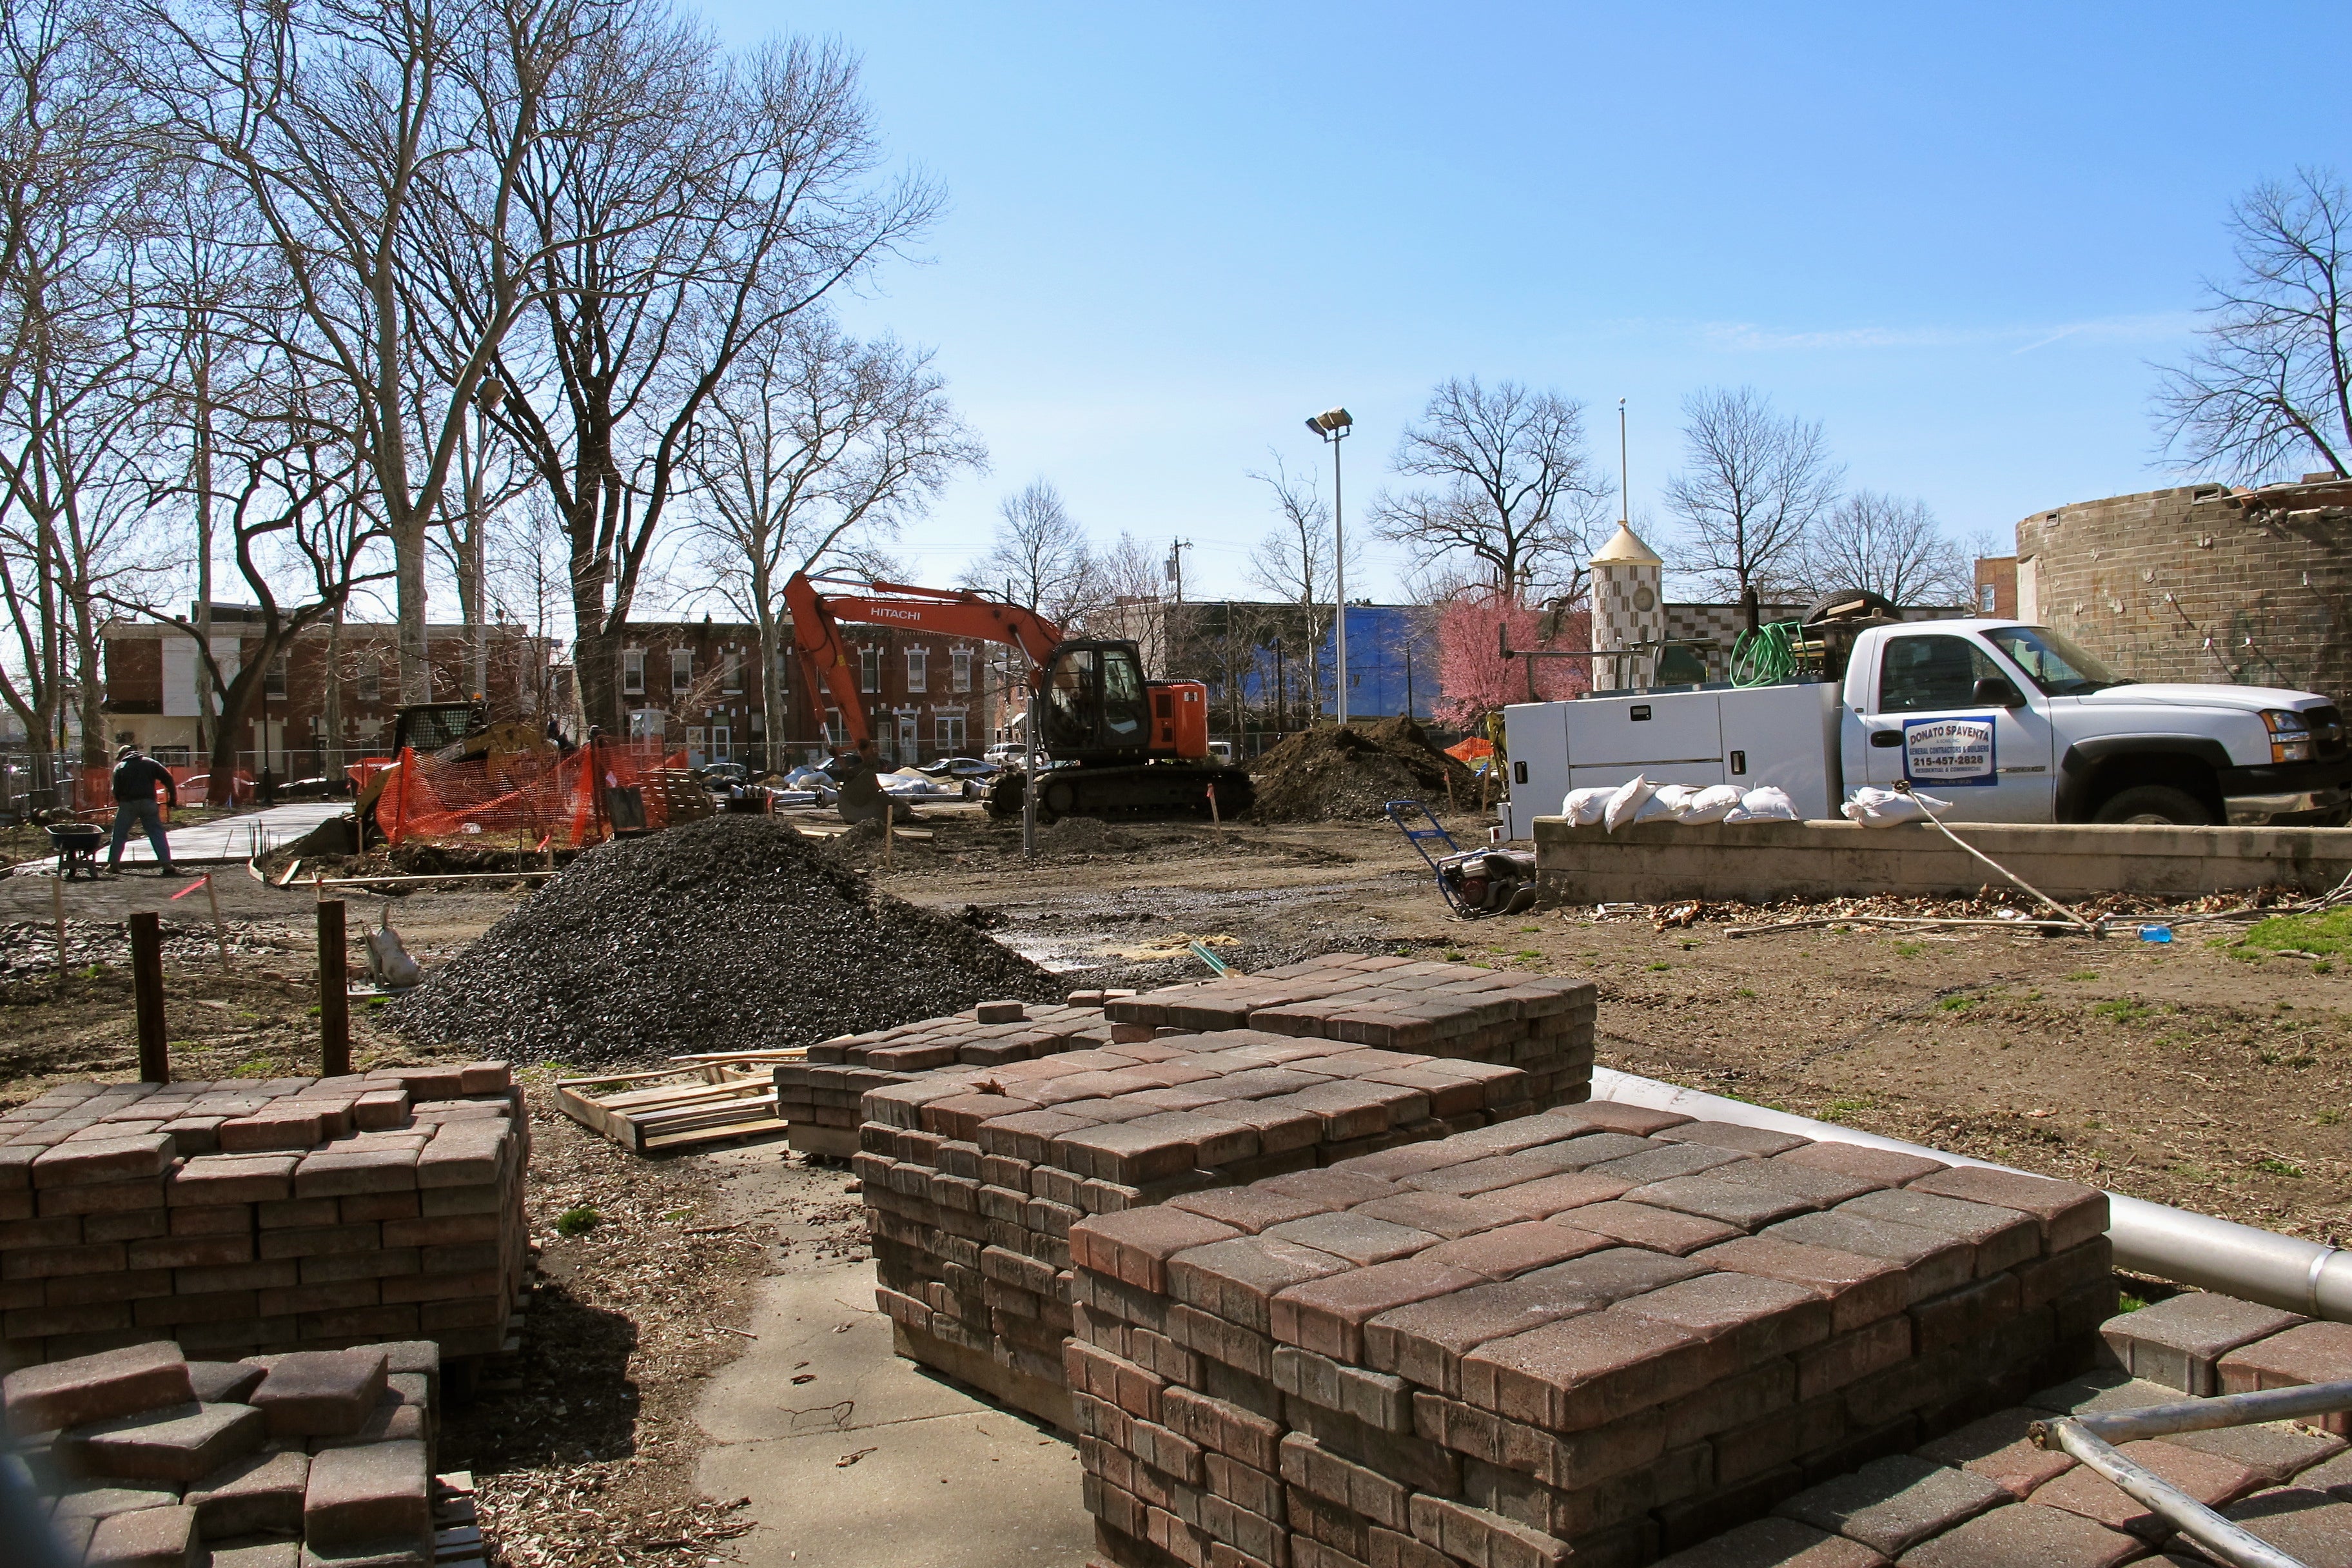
(1332, 773)
(729, 933)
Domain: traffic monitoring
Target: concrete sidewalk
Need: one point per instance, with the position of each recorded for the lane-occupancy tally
(872, 1463)
(225, 840)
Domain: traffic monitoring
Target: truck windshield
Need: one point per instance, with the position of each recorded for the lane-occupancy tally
(2053, 660)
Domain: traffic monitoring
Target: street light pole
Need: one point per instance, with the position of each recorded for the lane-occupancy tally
(1332, 426)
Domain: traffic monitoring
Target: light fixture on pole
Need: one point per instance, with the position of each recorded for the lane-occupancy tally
(1332, 427)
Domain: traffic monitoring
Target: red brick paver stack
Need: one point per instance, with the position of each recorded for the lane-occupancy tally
(242, 1217)
(139, 1456)
(1542, 1025)
(820, 1100)
(1598, 1333)
(973, 1177)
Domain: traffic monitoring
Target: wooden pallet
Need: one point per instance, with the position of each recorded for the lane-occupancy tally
(700, 1101)
(457, 1525)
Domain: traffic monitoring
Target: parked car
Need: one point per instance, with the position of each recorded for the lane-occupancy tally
(724, 775)
(1008, 754)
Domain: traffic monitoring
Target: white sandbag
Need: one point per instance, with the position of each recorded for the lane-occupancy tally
(1768, 802)
(1712, 804)
(1671, 801)
(1875, 807)
(1625, 802)
(1584, 807)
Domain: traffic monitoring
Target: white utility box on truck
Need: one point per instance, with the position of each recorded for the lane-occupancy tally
(2009, 722)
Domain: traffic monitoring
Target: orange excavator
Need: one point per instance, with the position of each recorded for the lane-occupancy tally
(1115, 744)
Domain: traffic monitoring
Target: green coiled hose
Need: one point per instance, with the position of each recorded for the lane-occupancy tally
(1766, 655)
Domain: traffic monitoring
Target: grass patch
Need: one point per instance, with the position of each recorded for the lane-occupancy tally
(1742, 991)
(1909, 949)
(2081, 975)
(2128, 1302)
(1654, 967)
(577, 1221)
(1527, 952)
(2278, 1167)
(1839, 1110)
(1957, 1004)
(2329, 935)
(1453, 957)
(2123, 1010)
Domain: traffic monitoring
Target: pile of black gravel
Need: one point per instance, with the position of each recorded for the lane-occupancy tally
(729, 933)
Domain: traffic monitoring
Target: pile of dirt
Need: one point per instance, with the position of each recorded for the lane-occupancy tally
(1333, 773)
(729, 933)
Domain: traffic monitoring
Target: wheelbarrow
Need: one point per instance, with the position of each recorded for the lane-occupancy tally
(77, 846)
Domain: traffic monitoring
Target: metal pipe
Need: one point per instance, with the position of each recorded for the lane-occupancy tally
(2223, 1410)
(2232, 1543)
(2186, 1248)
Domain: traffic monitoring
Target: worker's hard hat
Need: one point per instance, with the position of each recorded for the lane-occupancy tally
(121, 752)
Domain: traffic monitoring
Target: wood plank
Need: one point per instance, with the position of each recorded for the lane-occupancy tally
(713, 1135)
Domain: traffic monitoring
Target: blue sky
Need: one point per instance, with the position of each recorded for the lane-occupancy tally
(1957, 240)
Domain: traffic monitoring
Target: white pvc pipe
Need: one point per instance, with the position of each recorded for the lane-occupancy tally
(2185, 1248)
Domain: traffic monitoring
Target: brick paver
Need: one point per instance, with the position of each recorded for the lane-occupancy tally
(2178, 1343)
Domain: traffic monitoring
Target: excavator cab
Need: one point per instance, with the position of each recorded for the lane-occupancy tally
(1094, 702)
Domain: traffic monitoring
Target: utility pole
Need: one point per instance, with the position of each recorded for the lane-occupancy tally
(1176, 548)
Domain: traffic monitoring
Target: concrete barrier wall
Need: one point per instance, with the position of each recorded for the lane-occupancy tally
(1756, 862)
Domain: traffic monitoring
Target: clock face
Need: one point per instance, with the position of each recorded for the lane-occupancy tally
(1643, 600)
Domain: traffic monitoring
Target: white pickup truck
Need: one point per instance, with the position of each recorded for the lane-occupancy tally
(2008, 721)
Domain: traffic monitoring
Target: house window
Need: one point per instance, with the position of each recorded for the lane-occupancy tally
(273, 679)
(370, 683)
(835, 732)
(681, 668)
(694, 746)
(919, 669)
(906, 752)
(1985, 592)
(869, 669)
(722, 743)
(758, 724)
(633, 672)
(960, 669)
(730, 674)
(949, 728)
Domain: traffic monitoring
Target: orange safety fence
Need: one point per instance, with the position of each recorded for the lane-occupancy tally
(530, 795)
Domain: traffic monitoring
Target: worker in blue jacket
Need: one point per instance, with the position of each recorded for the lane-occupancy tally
(135, 778)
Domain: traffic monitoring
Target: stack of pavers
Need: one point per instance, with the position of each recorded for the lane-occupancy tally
(974, 1176)
(1542, 1025)
(1598, 1334)
(140, 1456)
(819, 1098)
(243, 1217)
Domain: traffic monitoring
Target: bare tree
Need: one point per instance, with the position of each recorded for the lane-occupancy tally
(1890, 545)
(1752, 485)
(811, 452)
(1293, 564)
(1040, 558)
(381, 149)
(1515, 496)
(745, 192)
(2269, 390)
(70, 426)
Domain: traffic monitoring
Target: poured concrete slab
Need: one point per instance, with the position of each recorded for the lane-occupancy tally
(872, 1462)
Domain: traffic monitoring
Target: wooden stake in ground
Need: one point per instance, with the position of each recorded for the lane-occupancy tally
(1215, 820)
(334, 993)
(1452, 804)
(147, 989)
(220, 930)
(58, 912)
(890, 832)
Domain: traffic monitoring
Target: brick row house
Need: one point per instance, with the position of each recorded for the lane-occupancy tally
(292, 727)
(699, 685)
(694, 684)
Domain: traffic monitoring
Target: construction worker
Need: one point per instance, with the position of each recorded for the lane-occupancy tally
(135, 778)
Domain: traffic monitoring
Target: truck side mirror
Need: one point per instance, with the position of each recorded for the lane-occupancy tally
(1997, 692)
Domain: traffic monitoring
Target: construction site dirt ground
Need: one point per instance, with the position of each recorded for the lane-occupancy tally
(2197, 1073)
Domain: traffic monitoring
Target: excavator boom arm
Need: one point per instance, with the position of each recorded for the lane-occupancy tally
(824, 654)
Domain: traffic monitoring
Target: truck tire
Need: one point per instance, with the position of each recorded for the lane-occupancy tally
(2155, 803)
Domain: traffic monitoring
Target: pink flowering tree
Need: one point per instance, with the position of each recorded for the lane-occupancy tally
(1474, 678)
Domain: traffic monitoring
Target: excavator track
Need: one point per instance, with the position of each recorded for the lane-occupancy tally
(1147, 791)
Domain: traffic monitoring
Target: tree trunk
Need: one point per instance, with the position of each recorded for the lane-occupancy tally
(331, 706)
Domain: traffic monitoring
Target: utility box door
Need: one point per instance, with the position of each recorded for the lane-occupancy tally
(1535, 735)
(1786, 735)
(1667, 738)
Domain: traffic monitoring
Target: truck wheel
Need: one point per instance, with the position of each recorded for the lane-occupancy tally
(2158, 804)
